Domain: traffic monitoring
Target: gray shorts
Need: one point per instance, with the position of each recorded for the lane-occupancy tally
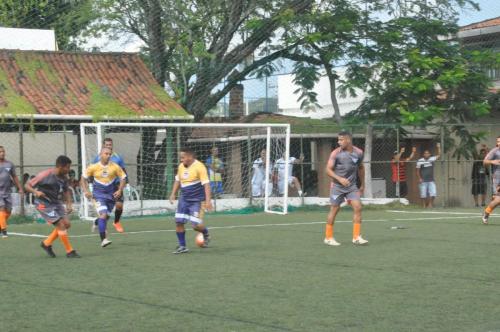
(496, 187)
(51, 213)
(6, 202)
(338, 197)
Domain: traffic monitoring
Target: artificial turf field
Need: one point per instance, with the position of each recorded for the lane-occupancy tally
(262, 273)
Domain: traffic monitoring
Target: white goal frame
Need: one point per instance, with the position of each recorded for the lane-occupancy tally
(84, 211)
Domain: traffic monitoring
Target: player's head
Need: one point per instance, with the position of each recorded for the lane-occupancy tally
(105, 154)
(344, 139)
(187, 156)
(263, 154)
(63, 165)
(2, 153)
(427, 154)
(215, 151)
(482, 153)
(108, 143)
(498, 142)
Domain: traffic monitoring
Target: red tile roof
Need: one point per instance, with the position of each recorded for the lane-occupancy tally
(64, 83)
(483, 24)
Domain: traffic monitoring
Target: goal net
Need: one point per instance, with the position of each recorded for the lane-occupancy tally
(239, 158)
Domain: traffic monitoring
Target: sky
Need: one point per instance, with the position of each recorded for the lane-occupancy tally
(488, 9)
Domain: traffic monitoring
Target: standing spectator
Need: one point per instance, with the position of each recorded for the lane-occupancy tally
(215, 170)
(259, 176)
(479, 176)
(425, 173)
(398, 168)
(280, 166)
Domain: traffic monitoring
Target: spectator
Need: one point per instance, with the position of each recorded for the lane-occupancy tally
(398, 168)
(479, 178)
(215, 168)
(259, 176)
(425, 173)
(280, 166)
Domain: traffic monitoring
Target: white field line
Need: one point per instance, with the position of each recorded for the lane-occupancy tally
(254, 226)
(442, 212)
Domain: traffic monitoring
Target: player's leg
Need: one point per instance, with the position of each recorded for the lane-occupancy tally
(423, 193)
(296, 184)
(103, 208)
(62, 230)
(432, 193)
(355, 200)
(196, 214)
(118, 213)
(181, 217)
(403, 189)
(5, 209)
(495, 201)
(336, 199)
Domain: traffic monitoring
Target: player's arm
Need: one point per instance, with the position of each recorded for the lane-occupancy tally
(84, 181)
(489, 159)
(397, 157)
(438, 150)
(361, 175)
(17, 183)
(206, 185)
(175, 189)
(412, 155)
(331, 173)
(68, 200)
(30, 186)
(418, 173)
(300, 160)
(121, 174)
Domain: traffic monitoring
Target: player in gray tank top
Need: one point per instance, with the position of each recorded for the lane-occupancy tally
(8, 179)
(493, 159)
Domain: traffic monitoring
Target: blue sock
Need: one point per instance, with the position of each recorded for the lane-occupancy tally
(181, 236)
(205, 231)
(102, 228)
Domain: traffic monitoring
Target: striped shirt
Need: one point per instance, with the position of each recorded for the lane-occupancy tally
(402, 171)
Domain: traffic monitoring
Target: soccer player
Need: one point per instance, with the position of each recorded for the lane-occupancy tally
(259, 176)
(192, 179)
(8, 177)
(398, 168)
(425, 173)
(344, 167)
(280, 166)
(493, 159)
(50, 187)
(117, 159)
(105, 193)
(215, 170)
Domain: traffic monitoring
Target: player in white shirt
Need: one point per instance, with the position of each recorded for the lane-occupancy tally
(259, 176)
(280, 166)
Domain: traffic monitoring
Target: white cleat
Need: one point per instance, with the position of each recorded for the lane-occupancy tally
(359, 240)
(331, 242)
(485, 218)
(105, 243)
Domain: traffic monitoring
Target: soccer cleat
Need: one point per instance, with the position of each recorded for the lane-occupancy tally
(359, 240)
(331, 242)
(93, 229)
(48, 250)
(105, 243)
(485, 218)
(118, 227)
(206, 240)
(181, 250)
(73, 254)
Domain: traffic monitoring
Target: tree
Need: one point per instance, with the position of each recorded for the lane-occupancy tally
(67, 17)
(195, 45)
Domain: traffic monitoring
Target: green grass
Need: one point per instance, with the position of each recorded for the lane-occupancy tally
(439, 274)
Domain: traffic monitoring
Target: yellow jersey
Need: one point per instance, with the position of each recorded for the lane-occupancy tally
(192, 180)
(104, 177)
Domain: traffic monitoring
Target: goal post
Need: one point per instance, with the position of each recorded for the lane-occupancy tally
(240, 179)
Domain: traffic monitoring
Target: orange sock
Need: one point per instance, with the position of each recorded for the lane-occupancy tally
(3, 220)
(63, 236)
(329, 231)
(51, 238)
(356, 230)
(488, 210)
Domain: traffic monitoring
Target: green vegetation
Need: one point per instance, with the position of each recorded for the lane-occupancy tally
(174, 108)
(432, 275)
(103, 104)
(30, 65)
(13, 102)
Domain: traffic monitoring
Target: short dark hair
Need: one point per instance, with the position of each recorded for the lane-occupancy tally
(1, 147)
(107, 139)
(188, 150)
(62, 161)
(345, 133)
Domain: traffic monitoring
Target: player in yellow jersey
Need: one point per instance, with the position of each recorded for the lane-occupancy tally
(192, 179)
(105, 193)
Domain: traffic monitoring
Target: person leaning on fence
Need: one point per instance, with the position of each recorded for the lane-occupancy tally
(493, 159)
(280, 167)
(215, 170)
(259, 176)
(425, 173)
(479, 178)
(398, 168)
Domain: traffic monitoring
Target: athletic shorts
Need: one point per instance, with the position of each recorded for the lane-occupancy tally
(427, 189)
(496, 187)
(6, 202)
(103, 205)
(190, 211)
(478, 187)
(51, 213)
(337, 197)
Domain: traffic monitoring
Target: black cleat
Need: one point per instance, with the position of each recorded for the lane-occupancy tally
(73, 254)
(48, 250)
(181, 250)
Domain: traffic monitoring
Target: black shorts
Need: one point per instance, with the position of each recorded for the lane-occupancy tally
(478, 188)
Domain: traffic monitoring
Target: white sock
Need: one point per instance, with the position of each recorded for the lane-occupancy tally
(300, 192)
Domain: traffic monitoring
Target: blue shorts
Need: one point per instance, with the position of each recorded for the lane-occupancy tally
(337, 197)
(427, 189)
(103, 205)
(190, 211)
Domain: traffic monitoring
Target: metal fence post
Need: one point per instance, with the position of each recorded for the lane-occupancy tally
(444, 176)
(21, 168)
(249, 163)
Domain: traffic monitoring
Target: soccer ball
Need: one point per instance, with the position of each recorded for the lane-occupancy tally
(199, 240)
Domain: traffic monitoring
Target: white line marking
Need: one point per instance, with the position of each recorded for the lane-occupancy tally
(254, 226)
(441, 212)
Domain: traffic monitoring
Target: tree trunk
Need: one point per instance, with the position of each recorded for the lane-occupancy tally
(153, 11)
(367, 161)
(333, 93)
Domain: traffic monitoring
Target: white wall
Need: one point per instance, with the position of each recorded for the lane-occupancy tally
(288, 104)
(28, 39)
